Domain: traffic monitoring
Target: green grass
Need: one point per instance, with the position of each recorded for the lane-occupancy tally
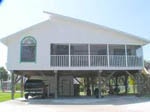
(4, 96)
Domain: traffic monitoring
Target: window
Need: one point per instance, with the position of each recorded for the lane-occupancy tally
(59, 49)
(117, 50)
(79, 49)
(98, 49)
(134, 50)
(28, 49)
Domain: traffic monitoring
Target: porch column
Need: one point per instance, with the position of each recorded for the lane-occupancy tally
(69, 55)
(89, 58)
(108, 55)
(92, 78)
(126, 83)
(12, 85)
(48, 89)
(142, 57)
(126, 55)
(88, 86)
(21, 92)
(116, 85)
(99, 83)
(56, 84)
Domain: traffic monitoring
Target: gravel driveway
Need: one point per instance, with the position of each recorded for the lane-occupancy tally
(106, 104)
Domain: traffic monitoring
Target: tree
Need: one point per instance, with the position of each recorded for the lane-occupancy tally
(147, 64)
(3, 74)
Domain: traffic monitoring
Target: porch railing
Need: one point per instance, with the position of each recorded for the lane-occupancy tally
(117, 60)
(95, 61)
(79, 60)
(59, 60)
(134, 61)
(98, 60)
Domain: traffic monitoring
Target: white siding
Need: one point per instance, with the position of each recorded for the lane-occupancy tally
(59, 31)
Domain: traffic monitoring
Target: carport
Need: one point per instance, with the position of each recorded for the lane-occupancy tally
(102, 80)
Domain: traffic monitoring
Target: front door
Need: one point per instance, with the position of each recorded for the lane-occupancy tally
(66, 87)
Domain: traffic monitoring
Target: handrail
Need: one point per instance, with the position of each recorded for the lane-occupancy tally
(95, 61)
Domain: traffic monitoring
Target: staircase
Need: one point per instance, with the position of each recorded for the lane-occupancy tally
(145, 82)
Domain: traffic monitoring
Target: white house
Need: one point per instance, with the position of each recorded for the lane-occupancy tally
(63, 48)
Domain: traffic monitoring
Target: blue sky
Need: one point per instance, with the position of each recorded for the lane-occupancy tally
(131, 16)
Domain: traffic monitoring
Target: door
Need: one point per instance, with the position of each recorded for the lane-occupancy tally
(66, 87)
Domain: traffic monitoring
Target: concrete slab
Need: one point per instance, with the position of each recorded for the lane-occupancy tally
(107, 104)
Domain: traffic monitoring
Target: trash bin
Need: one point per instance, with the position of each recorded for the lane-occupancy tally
(96, 92)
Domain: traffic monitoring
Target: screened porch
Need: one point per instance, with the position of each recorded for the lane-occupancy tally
(95, 55)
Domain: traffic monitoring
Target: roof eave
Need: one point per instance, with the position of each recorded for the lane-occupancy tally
(4, 41)
(53, 15)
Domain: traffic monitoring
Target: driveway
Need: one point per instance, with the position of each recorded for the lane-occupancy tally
(106, 104)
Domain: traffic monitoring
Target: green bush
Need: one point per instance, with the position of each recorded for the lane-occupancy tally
(18, 86)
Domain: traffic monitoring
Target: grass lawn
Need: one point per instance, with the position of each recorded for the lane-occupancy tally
(4, 96)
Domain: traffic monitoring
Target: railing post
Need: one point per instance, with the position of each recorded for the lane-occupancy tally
(126, 55)
(142, 57)
(108, 55)
(69, 55)
(50, 60)
(89, 60)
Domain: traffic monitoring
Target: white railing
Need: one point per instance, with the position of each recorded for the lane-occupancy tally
(79, 60)
(59, 60)
(134, 61)
(98, 60)
(95, 61)
(117, 60)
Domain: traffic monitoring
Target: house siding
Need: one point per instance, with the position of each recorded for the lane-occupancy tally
(60, 31)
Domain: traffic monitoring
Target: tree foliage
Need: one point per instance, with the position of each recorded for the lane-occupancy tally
(3, 74)
(147, 64)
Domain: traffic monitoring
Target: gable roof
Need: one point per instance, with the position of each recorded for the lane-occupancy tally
(73, 20)
(9, 37)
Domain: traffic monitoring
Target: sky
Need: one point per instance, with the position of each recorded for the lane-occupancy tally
(131, 16)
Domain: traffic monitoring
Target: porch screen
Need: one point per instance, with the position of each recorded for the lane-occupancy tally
(28, 49)
(59, 49)
(98, 49)
(59, 55)
(79, 49)
(134, 50)
(117, 49)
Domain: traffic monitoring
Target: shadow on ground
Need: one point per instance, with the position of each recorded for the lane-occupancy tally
(109, 100)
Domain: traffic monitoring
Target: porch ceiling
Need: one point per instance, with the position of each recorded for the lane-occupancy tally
(75, 73)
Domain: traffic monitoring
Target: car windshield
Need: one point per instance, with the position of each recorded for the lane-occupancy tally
(34, 83)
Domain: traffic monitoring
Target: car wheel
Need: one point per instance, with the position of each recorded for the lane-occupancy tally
(26, 96)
